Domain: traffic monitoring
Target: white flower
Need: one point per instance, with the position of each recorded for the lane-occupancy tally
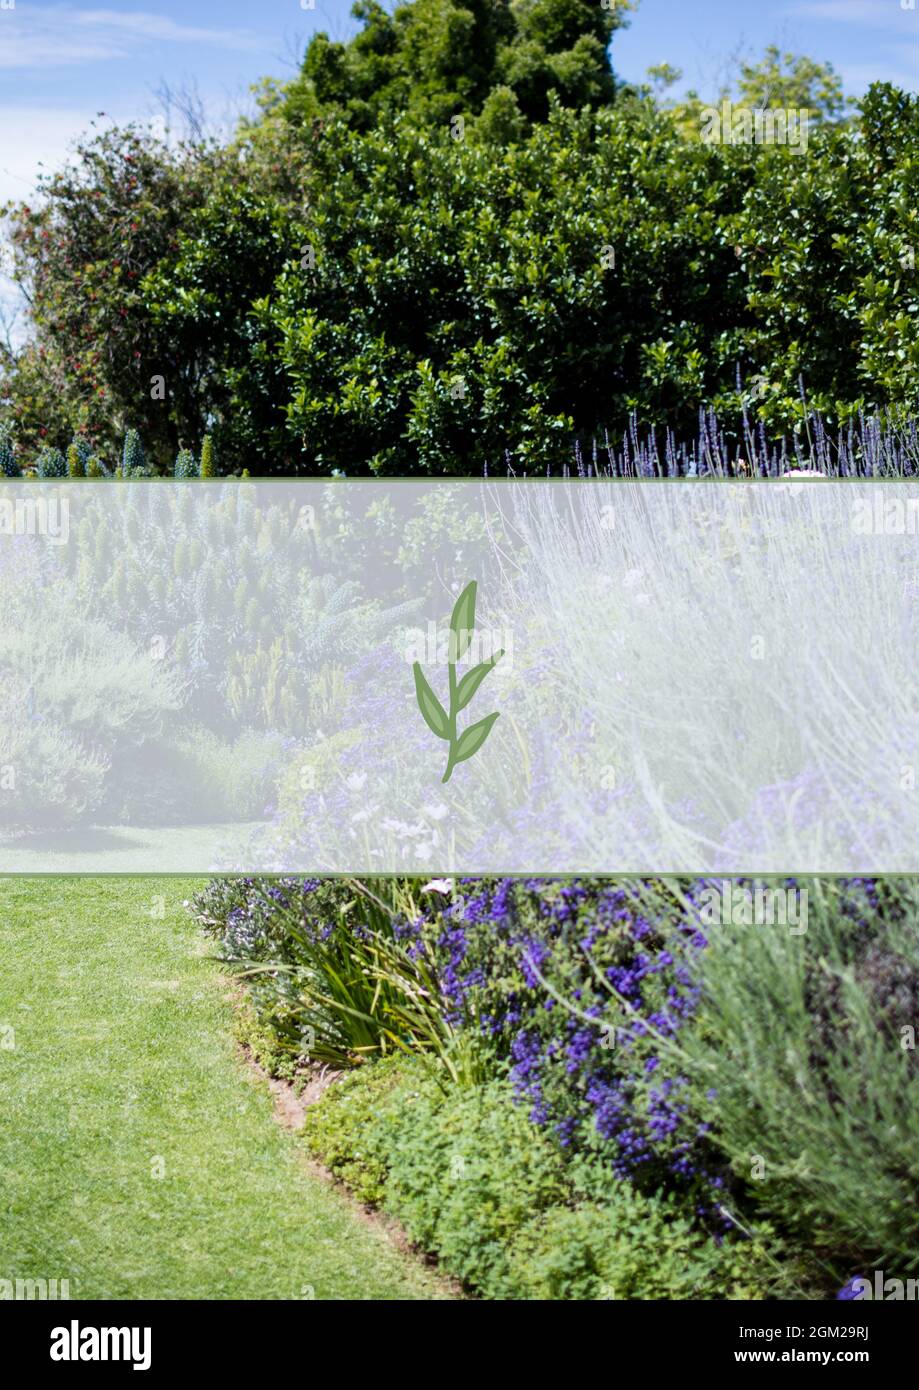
(439, 885)
(356, 781)
(437, 811)
(403, 829)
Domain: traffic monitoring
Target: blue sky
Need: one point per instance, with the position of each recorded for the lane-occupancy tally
(60, 63)
(864, 39)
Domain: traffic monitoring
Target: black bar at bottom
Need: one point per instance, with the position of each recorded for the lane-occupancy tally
(278, 1339)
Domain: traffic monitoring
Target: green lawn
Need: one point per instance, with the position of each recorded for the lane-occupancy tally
(189, 849)
(138, 1156)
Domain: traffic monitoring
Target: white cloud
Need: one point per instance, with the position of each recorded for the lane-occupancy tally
(164, 29)
(59, 36)
(882, 14)
(30, 136)
(899, 65)
(901, 68)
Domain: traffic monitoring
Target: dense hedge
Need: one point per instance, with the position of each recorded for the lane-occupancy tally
(377, 276)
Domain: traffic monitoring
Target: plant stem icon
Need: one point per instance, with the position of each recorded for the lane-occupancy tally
(438, 720)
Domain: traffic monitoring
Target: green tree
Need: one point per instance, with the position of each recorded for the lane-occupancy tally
(829, 247)
(500, 121)
(424, 341)
(779, 81)
(81, 253)
(203, 296)
(434, 59)
(791, 82)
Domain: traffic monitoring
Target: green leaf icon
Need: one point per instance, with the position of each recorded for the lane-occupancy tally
(464, 745)
(462, 624)
(471, 739)
(435, 716)
(473, 679)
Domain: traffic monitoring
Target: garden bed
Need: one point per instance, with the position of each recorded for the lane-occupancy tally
(590, 1089)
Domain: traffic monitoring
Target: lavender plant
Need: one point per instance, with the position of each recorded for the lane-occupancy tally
(883, 445)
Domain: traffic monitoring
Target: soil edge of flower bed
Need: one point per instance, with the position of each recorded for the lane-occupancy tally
(290, 1108)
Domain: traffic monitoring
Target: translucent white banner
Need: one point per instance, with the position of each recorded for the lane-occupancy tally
(643, 677)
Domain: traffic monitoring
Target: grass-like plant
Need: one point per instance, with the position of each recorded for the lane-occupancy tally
(345, 988)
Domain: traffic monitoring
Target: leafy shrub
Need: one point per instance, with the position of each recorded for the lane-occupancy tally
(208, 465)
(194, 775)
(465, 1171)
(50, 778)
(849, 324)
(51, 464)
(230, 780)
(133, 462)
(8, 465)
(186, 465)
(88, 689)
(497, 331)
(635, 1246)
(461, 338)
(338, 1127)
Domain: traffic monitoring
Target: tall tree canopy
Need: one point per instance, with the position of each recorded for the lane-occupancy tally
(432, 59)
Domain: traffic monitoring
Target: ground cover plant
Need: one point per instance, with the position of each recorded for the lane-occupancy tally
(608, 1059)
(469, 1178)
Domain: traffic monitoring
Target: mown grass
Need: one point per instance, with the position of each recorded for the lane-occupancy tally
(189, 849)
(138, 1156)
